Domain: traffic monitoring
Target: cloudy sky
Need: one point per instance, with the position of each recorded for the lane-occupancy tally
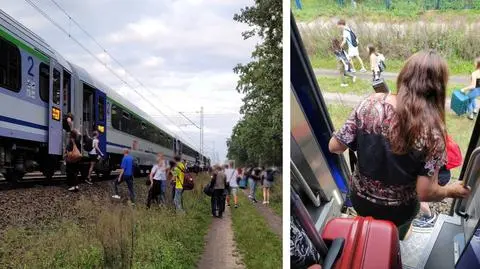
(176, 48)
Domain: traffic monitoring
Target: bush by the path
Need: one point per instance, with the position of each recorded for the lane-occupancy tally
(456, 41)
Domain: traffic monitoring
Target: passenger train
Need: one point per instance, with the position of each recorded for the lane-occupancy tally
(38, 87)
(319, 178)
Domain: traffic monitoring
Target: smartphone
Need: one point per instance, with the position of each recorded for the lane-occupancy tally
(380, 86)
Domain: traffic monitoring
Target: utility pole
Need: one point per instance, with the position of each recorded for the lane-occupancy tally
(199, 127)
(201, 131)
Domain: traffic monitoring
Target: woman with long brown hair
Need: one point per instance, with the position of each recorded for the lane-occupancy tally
(400, 143)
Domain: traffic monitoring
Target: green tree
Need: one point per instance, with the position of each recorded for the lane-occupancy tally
(257, 137)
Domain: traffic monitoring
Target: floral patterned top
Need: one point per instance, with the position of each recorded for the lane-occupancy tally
(381, 176)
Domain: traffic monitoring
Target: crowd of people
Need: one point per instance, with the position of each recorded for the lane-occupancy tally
(226, 182)
(345, 59)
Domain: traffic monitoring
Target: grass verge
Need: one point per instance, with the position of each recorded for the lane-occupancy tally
(363, 86)
(455, 66)
(460, 128)
(102, 234)
(259, 246)
(375, 10)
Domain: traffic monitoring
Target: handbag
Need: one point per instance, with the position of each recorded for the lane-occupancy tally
(210, 187)
(74, 155)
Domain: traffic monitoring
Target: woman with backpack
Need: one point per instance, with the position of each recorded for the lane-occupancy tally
(377, 62)
(219, 182)
(93, 152)
(344, 65)
(267, 185)
(72, 158)
(158, 181)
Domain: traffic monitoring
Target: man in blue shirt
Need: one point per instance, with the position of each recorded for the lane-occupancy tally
(125, 175)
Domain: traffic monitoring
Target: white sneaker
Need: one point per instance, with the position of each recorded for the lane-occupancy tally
(116, 196)
(264, 202)
(343, 85)
(363, 70)
(71, 188)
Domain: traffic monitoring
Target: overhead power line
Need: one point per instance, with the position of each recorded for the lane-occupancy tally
(44, 14)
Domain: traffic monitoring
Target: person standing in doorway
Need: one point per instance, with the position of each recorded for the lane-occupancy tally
(179, 175)
(352, 41)
(125, 175)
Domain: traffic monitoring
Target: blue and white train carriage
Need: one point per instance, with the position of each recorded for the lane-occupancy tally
(38, 87)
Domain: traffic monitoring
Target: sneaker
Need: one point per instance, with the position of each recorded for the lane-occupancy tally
(71, 188)
(470, 116)
(354, 79)
(254, 200)
(268, 202)
(353, 71)
(89, 181)
(76, 188)
(116, 196)
(363, 70)
(475, 111)
(264, 202)
(343, 85)
(228, 205)
(236, 206)
(424, 222)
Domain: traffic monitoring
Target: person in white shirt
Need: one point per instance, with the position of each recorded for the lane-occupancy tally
(93, 156)
(158, 181)
(352, 47)
(232, 175)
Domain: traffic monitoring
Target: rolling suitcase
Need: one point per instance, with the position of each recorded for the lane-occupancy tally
(369, 243)
(459, 102)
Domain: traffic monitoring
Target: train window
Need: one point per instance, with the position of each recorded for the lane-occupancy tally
(56, 87)
(43, 83)
(66, 92)
(124, 122)
(10, 66)
(116, 117)
(101, 108)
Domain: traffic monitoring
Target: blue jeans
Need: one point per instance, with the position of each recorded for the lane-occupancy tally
(253, 187)
(472, 95)
(129, 180)
(178, 200)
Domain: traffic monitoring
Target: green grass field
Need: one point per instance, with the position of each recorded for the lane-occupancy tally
(363, 86)
(455, 66)
(103, 237)
(260, 247)
(460, 128)
(376, 11)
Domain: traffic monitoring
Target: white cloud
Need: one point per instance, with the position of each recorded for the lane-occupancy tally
(182, 50)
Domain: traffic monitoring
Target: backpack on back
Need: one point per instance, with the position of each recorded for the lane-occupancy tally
(381, 62)
(87, 143)
(270, 176)
(188, 183)
(353, 38)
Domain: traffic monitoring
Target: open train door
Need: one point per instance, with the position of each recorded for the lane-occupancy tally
(101, 119)
(55, 104)
(103, 167)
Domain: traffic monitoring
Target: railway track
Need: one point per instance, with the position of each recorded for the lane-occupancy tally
(37, 179)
